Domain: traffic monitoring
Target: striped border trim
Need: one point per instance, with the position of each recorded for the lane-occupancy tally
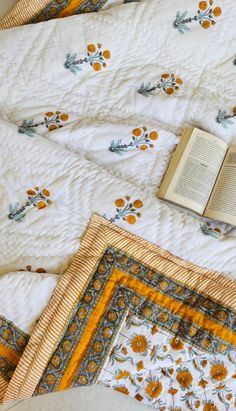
(3, 388)
(100, 234)
(22, 13)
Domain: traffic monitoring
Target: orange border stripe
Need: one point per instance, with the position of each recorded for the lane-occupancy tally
(156, 297)
(9, 354)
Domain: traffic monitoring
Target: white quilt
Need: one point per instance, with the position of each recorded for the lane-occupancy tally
(84, 132)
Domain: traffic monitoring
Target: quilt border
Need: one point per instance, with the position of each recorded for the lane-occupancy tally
(100, 234)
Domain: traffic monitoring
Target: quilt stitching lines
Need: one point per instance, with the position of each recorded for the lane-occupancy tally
(127, 297)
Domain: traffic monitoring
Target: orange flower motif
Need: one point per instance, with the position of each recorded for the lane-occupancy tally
(106, 54)
(97, 66)
(131, 219)
(41, 204)
(153, 135)
(176, 344)
(36, 198)
(141, 139)
(138, 204)
(138, 397)
(205, 17)
(124, 350)
(95, 58)
(120, 202)
(154, 329)
(153, 389)
(218, 372)
(172, 391)
(210, 406)
(139, 365)
(122, 374)
(98, 347)
(168, 82)
(184, 378)
(127, 210)
(122, 389)
(202, 383)
(91, 48)
(139, 344)
(31, 192)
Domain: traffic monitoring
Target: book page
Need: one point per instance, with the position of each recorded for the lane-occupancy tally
(222, 203)
(197, 171)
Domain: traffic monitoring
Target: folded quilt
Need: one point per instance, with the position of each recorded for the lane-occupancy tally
(87, 92)
(48, 195)
(134, 317)
(34, 11)
(23, 299)
(88, 124)
(81, 66)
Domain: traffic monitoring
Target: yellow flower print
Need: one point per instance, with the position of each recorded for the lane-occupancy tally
(127, 210)
(92, 366)
(98, 347)
(210, 406)
(140, 365)
(139, 344)
(184, 377)
(169, 83)
(7, 334)
(153, 388)
(95, 57)
(52, 121)
(172, 391)
(176, 344)
(122, 374)
(67, 345)
(56, 361)
(141, 140)
(205, 17)
(36, 198)
(218, 371)
(82, 380)
(154, 330)
(124, 350)
(138, 397)
(203, 383)
(50, 379)
(122, 389)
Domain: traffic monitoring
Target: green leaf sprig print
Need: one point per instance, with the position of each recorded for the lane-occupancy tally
(36, 198)
(224, 118)
(95, 58)
(51, 121)
(205, 16)
(141, 139)
(168, 83)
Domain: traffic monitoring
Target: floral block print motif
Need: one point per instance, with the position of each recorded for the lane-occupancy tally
(205, 16)
(139, 320)
(145, 334)
(51, 120)
(169, 83)
(166, 372)
(127, 210)
(96, 58)
(36, 198)
(224, 118)
(141, 140)
(12, 344)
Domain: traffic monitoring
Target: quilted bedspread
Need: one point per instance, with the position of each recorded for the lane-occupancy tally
(91, 109)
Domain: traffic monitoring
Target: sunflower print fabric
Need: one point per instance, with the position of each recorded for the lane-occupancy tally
(130, 319)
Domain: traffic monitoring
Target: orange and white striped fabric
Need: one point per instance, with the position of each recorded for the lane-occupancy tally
(106, 316)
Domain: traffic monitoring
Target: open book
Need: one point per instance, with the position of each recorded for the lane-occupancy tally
(202, 176)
